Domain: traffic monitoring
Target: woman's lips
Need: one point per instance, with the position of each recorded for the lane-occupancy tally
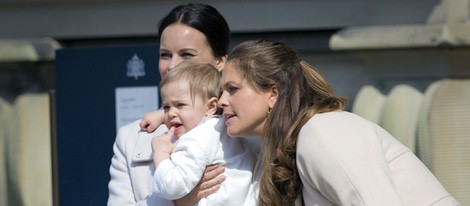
(228, 117)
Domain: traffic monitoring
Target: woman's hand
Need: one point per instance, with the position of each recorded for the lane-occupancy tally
(209, 184)
(162, 146)
(152, 120)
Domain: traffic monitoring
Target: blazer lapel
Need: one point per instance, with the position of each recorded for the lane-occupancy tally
(143, 148)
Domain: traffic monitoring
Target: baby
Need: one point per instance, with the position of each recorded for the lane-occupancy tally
(189, 94)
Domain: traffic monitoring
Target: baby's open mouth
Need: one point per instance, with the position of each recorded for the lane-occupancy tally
(176, 125)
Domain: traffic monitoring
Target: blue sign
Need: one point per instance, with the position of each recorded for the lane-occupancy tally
(93, 85)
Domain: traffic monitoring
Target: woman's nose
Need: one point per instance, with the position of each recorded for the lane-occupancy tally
(222, 100)
(174, 61)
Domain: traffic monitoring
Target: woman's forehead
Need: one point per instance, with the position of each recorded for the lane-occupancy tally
(181, 36)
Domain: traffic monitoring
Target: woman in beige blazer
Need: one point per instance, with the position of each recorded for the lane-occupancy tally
(313, 152)
(191, 31)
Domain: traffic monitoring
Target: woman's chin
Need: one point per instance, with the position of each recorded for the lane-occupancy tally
(232, 132)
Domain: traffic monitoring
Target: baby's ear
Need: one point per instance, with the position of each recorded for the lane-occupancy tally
(212, 106)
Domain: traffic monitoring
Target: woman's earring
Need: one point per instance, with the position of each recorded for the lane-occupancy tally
(269, 110)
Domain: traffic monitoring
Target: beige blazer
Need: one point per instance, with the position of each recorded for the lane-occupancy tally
(344, 159)
(132, 168)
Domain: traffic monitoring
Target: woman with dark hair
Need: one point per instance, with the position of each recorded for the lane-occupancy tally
(205, 19)
(313, 152)
(191, 31)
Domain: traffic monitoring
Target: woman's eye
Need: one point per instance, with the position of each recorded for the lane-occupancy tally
(166, 108)
(165, 55)
(187, 55)
(232, 89)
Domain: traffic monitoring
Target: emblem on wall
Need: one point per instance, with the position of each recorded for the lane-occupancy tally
(135, 67)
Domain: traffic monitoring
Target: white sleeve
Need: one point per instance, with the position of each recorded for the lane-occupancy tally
(345, 163)
(177, 176)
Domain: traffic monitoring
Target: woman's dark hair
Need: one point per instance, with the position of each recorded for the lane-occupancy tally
(205, 19)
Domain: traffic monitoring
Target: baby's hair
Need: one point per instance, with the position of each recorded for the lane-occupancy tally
(203, 78)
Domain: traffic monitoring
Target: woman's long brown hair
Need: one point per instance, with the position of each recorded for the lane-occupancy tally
(302, 92)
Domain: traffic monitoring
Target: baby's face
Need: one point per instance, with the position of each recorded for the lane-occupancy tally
(180, 110)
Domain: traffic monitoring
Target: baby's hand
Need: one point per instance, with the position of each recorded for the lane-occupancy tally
(162, 146)
(151, 121)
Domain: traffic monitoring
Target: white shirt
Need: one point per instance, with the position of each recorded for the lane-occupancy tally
(206, 144)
